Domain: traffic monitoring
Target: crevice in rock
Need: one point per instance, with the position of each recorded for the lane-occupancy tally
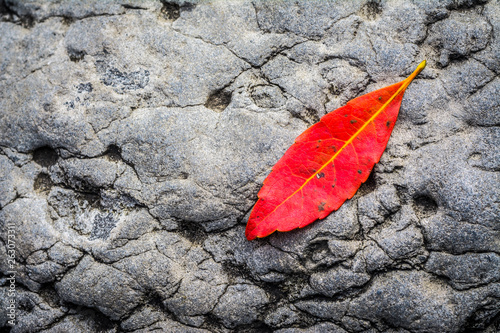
(467, 4)
(129, 6)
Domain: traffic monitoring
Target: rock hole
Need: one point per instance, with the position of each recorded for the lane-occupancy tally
(475, 156)
(91, 199)
(318, 250)
(45, 156)
(219, 100)
(43, 183)
(67, 21)
(25, 303)
(170, 10)
(371, 10)
(424, 206)
(113, 153)
(100, 322)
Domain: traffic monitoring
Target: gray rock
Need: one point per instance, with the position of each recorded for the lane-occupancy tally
(324, 309)
(135, 136)
(237, 305)
(322, 327)
(282, 317)
(467, 270)
(459, 35)
(337, 280)
(397, 299)
(116, 293)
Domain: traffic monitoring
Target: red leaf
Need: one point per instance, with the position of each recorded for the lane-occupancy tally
(328, 162)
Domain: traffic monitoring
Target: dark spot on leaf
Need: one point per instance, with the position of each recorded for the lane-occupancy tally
(333, 186)
(359, 171)
(321, 206)
(380, 98)
(45, 156)
(346, 115)
(320, 175)
(388, 123)
(353, 121)
(334, 148)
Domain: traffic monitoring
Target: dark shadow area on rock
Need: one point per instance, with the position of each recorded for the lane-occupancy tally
(170, 10)
(43, 183)
(8, 15)
(371, 10)
(113, 153)
(219, 100)
(425, 206)
(45, 156)
(369, 185)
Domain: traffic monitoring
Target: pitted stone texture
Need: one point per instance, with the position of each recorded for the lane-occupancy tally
(135, 136)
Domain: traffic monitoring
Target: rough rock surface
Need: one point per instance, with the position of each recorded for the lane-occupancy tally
(135, 135)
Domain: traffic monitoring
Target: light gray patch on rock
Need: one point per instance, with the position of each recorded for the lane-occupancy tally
(102, 226)
(236, 306)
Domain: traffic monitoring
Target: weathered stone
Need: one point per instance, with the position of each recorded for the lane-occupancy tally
(135, 136)
(466, 270)
(237, 305)
(397, 299)
(115, 293)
